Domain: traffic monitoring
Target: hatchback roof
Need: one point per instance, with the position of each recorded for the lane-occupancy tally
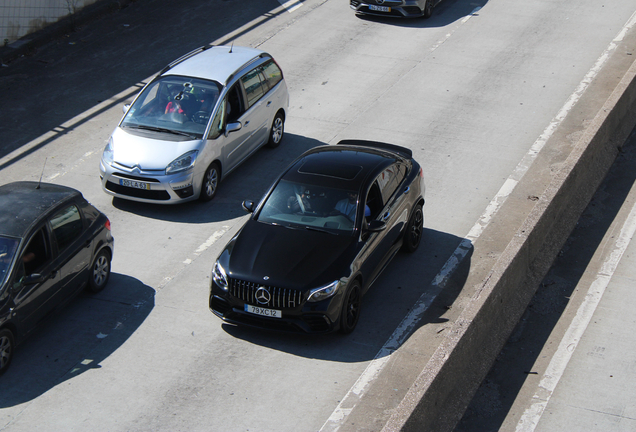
(216, 63)
(23, 203)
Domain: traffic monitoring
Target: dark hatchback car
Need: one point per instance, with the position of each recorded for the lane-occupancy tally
(319, 238)
(53, 244)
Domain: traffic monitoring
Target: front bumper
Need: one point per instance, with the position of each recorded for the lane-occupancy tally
(158, 187)
(400, 9)
(318, 317)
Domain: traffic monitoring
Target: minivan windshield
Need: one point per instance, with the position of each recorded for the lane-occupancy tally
(8, 247)
(306, 206)
(174, 105)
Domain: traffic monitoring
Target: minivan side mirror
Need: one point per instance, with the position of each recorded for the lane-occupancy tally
(125, 108)
(248, 206)
(232, 127)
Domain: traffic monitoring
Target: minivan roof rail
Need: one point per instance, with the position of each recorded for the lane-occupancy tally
(184, 57)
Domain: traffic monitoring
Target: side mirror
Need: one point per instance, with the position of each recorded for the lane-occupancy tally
(32, 279)
(125, 108)
(376, 226)
(248, 206)
(232, 127)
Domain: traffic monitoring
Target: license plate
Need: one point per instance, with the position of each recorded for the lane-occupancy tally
(263, 311)
(379, 8)
(134, 184)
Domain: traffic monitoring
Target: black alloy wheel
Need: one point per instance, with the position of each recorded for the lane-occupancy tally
(210, 182)
(428, 9)
(413, 234)
(100, 272)
(350, 312)
(7, 345)
(277, 131)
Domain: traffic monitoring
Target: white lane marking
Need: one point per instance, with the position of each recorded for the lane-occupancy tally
(354, 395)
(209, 242)
(574, 333)
(290, 5)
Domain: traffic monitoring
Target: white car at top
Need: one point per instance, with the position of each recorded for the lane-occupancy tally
(195, 122)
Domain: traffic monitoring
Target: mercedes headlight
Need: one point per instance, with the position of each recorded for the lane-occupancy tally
(219, 275)
(324, 292)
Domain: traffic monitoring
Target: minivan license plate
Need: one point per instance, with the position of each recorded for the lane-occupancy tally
(380, 8)
(134, 184)
(263, 311)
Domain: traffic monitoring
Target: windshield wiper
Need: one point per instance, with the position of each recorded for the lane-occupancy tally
(164, 130)
(311, 228)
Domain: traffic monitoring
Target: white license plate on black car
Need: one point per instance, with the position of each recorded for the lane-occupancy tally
(263, 311)
(134, 184)
(379, 8)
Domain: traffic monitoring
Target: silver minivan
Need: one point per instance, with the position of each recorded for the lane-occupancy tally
(195, 122)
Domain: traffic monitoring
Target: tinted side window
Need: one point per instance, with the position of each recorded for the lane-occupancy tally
(252, 84)
(37, 252)
(387, 181)
(66, 226)
(272, 74)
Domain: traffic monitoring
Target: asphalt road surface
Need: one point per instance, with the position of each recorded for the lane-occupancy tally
(469, 91)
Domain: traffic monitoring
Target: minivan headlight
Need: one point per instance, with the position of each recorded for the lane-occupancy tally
(324, 292)
(107, 156)
(183, 162)
(219, 275)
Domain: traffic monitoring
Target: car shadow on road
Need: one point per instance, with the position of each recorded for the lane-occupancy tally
(77, 339)
(256, 175)
(407, 278)
(446, 13)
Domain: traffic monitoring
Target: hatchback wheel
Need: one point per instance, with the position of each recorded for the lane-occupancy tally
(7, 345)
(277, 131)
(100, 272)
(413, 234)
(350, 312)
(210, 182)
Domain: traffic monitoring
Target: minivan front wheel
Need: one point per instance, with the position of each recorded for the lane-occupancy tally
(277, 131)
(210, 183)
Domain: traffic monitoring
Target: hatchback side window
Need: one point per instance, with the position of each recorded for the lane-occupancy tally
(253, 87)
(67, 226)
(272, 74)
(37, 252)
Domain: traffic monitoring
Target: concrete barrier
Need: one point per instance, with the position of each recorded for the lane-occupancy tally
(441, 393)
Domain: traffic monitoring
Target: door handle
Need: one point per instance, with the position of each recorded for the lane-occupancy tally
(269, 103)
(407, 190)
(386, 215)
(246, 123)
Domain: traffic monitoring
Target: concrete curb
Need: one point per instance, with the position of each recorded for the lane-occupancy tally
(32, 41)
(439, 396)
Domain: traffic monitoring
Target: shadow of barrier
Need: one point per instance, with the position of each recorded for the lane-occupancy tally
(515, 254)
